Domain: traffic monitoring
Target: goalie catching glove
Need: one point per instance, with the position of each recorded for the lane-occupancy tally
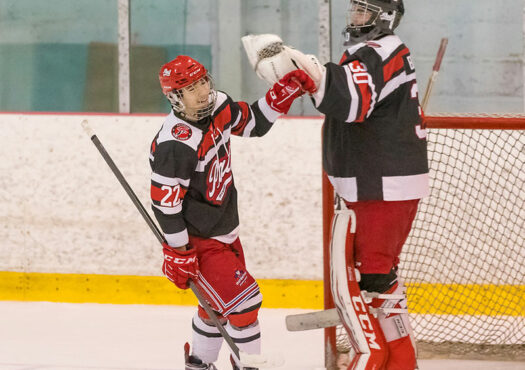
(180, 265)
(272, 60)
(294, 84)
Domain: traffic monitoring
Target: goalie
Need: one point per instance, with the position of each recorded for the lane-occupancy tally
(375, 155)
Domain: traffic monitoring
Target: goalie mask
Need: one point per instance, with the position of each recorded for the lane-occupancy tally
(368, 19)
(189, 88)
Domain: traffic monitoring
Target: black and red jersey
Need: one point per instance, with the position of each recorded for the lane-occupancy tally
(192, 186)
(374, 147)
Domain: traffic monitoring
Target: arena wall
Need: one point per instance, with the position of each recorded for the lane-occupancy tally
(65, 217)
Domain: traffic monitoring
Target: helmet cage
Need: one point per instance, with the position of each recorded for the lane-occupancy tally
(362, 14)
(367, 19)
(175, 97)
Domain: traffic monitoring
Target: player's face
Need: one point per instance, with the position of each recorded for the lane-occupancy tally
(359, 15)
(196, 96)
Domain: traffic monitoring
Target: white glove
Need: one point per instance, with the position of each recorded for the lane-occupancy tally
(272, 60)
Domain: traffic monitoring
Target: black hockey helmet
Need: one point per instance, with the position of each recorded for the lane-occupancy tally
(368, 19)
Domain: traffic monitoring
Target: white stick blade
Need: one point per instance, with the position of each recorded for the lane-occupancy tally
(261, 361)
(313, 320)
(87, 128)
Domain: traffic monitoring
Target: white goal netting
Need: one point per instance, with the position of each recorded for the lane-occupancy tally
(464, 262)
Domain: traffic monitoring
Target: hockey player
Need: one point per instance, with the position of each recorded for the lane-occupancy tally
(195, 201)
(375, 155)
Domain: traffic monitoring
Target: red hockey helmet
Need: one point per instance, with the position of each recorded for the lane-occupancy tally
(185, 73)
(180, 72)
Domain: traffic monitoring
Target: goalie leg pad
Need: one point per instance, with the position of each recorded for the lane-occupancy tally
(401, 355)
(362, 327)
(397, 329)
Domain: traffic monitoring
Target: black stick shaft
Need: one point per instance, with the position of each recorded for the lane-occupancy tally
(158, 234)
(128, 189)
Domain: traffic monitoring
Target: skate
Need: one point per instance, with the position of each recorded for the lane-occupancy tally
(194, 363)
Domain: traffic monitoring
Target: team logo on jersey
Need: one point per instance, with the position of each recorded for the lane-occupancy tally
(240, 276)
(181, 132)
(219, 179)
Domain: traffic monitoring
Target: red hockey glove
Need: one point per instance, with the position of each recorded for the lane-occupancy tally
(294, 84)
(179, 266)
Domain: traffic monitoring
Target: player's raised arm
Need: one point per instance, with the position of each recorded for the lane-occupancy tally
(256, 119)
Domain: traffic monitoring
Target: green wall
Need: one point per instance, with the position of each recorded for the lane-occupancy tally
(76, 77)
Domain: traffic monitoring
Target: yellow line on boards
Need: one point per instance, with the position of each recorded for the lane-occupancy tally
(84, 288)
(442, 299)
(127, 289)
(467, 299)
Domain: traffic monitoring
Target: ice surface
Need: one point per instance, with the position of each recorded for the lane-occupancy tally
(61, 336)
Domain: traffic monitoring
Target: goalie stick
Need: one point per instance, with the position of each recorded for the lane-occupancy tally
(328, 318)
(246, 359)
(435, 71)
(313, 320)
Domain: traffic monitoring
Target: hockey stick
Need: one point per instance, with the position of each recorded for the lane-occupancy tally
(435, 71)
(313, 320)
(330, 317)
(246, 359)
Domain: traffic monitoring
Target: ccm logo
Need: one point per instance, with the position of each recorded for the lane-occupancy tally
(364, 320)
(180, 261)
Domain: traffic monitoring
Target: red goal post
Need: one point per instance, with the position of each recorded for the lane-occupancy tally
(464, 259)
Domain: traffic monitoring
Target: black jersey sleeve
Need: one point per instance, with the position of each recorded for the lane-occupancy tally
(252, 120)
(351, 90)
(172, 165)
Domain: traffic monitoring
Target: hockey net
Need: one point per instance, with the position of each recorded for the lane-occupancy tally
(464, 261)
